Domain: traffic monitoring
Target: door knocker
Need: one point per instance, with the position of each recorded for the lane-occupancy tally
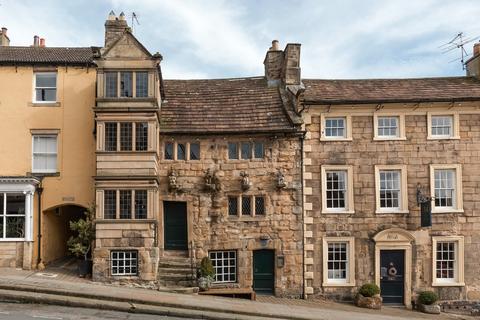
(392, 271)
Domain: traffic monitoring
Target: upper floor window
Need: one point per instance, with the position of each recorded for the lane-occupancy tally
(246, 150)
(181, 151)
(132, 204)
(337, 189)
(446, 184)
(45, 87)
(391, 189)
(389, 127)
(336, 127)
(443, 125)
(44, 154)
(126, 84)
(246, 205)
(124, 139)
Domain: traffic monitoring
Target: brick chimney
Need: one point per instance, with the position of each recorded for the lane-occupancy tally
(114, 27)
(283, 67)
(473, 64)
(4, 39)
(42, 42)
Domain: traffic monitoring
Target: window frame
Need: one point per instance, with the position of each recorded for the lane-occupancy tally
(401, 126)
(133, 204)
(236, 265)
(253, 155)
(253, 205)
(459, 279)
(34, 98)
(349, 199)
(125, 274)
(187, 150)
(403, 200)
(26, 215)
(348, 126)
(455, 132)
(350, 280)
(133, 136)
(45, 135)
(133, 84)
(458, 201)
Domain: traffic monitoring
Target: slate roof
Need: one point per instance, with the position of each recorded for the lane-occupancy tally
(391, 90)
(46, 55)
(243, 105)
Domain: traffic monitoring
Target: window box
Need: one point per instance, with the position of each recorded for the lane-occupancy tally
(337, 189)
(338, 262)
(448, 261)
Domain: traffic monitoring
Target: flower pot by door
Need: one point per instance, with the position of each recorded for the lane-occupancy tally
(84, 267)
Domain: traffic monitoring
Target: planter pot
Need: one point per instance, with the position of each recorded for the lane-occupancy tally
(204, 283)
(374, 302)
(84, 268)
(432, 308)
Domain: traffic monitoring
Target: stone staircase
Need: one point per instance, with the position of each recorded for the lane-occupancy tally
(175, 272)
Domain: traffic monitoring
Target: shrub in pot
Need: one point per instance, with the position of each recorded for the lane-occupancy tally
(206, 274)
(427, 302)
(80, 244)
(368, 296)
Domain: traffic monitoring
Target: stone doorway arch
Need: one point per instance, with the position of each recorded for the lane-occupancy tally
(396, 239)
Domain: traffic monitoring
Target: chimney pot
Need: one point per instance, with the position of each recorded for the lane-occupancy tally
(42, 42)
(111, 15)
(275, 45)
(4, 31)
(121, 16)
(35, 41)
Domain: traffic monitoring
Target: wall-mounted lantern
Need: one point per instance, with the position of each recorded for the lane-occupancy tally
(425, 203)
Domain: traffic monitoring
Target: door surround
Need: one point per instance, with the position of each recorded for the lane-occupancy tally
(396, 239)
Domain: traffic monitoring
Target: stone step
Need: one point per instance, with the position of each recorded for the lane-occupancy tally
(178, 283)
(176, 276)
(174, 263)
(175, 253)
(175, 270)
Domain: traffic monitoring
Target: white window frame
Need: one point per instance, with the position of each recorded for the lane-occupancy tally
(401, 126)
(223, 252)
(348, 127)
(403, 199)
(34, 96)
(459, 279)
(350, 280)
(33, 152)
(136, 260)
(458, 201)
(455, 132)
(349, 200)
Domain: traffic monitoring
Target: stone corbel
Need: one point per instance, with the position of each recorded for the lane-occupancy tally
(173, 185)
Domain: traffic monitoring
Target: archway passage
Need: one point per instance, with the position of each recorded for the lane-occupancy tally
(56, 232)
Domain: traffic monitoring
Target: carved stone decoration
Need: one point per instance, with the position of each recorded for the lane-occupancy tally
(212, 183)
(173, 185)
(246, 184)
(281, 183)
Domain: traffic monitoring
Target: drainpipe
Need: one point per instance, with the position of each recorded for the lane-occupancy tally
(302, 139)
(39, 232)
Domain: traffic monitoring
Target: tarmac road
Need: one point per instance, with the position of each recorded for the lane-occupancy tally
(18, 311)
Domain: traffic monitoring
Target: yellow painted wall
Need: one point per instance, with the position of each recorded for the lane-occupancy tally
(76, 144)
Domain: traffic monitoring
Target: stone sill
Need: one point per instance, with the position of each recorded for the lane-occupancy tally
(247, 218)
(447, 284)
(380, 212)
(436, 211)
(336, 139)
(338, 212)
(330, 284)
(44, 174)
(49, 104)
(124, 221)
(379, 139)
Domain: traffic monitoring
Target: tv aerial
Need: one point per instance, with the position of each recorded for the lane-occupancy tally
(134, 18)
(458, 42)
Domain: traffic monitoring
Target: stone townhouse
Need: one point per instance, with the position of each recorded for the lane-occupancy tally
(374, 150)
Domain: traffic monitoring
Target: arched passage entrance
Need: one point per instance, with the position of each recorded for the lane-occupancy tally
(56, 231)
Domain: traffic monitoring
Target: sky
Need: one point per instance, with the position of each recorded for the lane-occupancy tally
(342, 39)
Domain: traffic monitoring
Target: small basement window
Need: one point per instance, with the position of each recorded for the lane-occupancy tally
(124, 263)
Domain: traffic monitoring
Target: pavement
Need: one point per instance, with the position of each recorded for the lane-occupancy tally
(53, 288)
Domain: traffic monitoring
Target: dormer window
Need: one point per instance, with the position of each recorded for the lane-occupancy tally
(126, 84)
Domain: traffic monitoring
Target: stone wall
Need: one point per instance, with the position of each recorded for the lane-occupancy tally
(211, 228)
(417, 153)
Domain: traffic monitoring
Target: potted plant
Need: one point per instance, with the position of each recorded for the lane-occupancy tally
(80, 244)
(368, 296)
(206, 274)
(426, 302)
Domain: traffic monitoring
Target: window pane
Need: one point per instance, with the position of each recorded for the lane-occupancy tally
(246, 206)
(335, 127)
(15, 204)
(258, 148)
(181, 151)
(337, 260)
(442, 125)
(126, 136)
(111, 84)
(232, 150)
(140, 204)
(232, 206)
(194, 151)
(444, 188)
(15, 227)
(390, 189)
(110, 136)
(124, 263)
(225, 265)
(141, 84)
(141, 136)
(126, 84)
(246, 150)
(44, 153)
(125, 204)
(388, 126)
(42, 94)
(110, 204)
(168, 151)
(336, 189)
(446, 262)
(46, 80)
(259, 205)
(1, 204)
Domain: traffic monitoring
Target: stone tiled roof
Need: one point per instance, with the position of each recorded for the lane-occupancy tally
(392, 90)
(46, 55)
(244, 105)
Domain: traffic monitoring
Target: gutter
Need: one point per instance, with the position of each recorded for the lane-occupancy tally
(39, 231)
(302, 140)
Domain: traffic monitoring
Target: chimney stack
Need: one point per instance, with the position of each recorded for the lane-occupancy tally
(283, 67)
(273, 64)
(114, 27)
(4, 40)
(42, 42)
(36, 41)
(473, 64)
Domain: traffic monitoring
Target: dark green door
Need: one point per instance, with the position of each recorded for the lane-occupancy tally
(263, 271)
(175, 225)
(392, 276)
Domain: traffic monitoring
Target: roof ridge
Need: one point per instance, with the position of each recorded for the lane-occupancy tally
(393, 79)
(228, 79)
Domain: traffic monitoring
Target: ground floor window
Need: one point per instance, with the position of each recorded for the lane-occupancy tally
(448, 259)
(12, 215)
(338, 261)
(225, 265)
(124, 263)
